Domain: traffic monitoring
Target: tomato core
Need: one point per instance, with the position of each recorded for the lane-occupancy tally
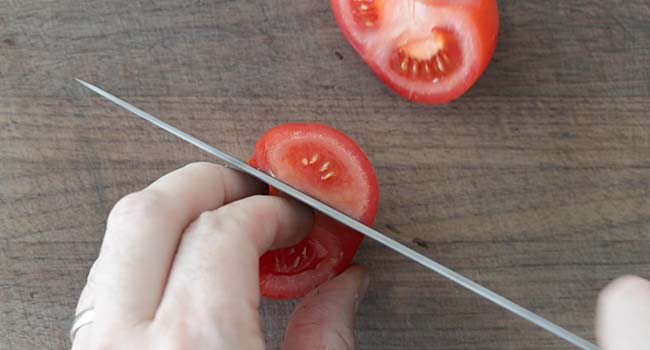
(301, 257)
(428, 59)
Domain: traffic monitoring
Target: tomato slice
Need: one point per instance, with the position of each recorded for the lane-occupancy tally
(430, 51)
(329, 165)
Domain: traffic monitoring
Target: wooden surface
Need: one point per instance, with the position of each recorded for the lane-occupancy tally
(536, 183)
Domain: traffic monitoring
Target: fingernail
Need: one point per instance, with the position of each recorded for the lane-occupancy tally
(361, 293)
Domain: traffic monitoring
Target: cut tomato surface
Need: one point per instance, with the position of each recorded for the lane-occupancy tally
(430, 51)
(329, 165)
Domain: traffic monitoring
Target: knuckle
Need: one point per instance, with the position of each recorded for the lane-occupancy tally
(203, 166)
(258, 212)
(235, 220)
(142, 201)
(217, 174)
(181, 334)
(249, 223)
(229, 218)
(181, 337)
(335, 337)
(211, 220)
(145, 203)
(106, 344)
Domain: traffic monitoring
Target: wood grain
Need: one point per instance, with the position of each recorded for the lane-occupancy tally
(536, 183)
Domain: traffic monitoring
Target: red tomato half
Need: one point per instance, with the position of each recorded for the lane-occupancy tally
(429, 51)
(330, 166)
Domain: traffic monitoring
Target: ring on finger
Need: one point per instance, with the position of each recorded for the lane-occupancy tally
(83, 318)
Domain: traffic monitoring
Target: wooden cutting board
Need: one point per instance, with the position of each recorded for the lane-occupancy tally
(536, 183)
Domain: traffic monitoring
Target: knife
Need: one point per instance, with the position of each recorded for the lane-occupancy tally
(353, 223)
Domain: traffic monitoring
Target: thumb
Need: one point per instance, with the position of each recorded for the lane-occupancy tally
(324, 319)
(623, 315)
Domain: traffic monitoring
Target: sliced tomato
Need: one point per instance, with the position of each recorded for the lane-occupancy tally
(429, 51)
(329, 165)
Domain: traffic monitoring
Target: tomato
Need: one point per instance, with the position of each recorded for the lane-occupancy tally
(329, 165)
(430, 51)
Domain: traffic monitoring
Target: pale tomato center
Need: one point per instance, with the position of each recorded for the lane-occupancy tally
(431, 58)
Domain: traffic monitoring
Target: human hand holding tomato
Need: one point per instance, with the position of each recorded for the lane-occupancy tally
(178, 269)
(180, 264)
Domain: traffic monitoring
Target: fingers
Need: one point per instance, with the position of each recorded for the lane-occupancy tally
(623, 315)
(324, 319)
(82, 338)
(142, 235)
(213, 287)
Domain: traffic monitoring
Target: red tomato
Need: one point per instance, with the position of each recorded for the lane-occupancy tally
(329, 165)
(429, 51)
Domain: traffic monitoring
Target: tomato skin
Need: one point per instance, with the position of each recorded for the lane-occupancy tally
(483, 21)
(330, 247)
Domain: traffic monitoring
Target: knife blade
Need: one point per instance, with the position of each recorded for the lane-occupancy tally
(353, 223)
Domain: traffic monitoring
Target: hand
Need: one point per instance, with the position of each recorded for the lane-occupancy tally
(623, 317)
(178, 269)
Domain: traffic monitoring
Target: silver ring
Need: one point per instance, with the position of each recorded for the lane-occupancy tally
(83, 318)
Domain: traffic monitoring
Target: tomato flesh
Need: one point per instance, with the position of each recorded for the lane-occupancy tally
(430, 51)
(330, 166)
(366, 12)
